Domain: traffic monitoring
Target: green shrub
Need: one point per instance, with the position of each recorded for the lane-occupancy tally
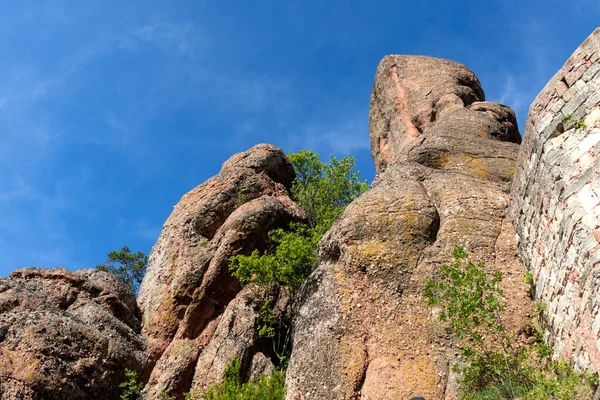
(567, 118)
(131, 388)
(323, 190)
(528, 278)
(580, 124)
(266, 388)
(577, 123)
(288, 264)
(495, 366)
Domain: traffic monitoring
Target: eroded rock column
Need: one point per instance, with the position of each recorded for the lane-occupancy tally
(444, 159)
(196, 317)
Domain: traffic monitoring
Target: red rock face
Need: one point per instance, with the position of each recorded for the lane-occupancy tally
(556, 204)
(411, 94)
(190, 302)
(66, 335)
(444, 160)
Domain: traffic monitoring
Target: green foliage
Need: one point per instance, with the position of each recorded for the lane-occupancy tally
(494, 366)
(266, 388)
(539, 309)
(289, 263)
(580, 124)
(292, 258)
(577, 123)
(128, 267)
(528, 278)
(242, 197)
(131, 388)
(323, 190)
(470, 298)
(269, 322)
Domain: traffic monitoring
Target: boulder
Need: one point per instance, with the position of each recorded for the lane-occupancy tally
(66, 334)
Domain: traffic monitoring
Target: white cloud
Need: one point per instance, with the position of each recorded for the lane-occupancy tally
(183, 38)
(514, 96)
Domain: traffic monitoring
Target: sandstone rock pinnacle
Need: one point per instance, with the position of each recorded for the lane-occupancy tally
(195, 315)
(444, 159)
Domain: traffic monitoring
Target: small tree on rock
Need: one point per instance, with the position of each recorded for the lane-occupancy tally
(128, 267)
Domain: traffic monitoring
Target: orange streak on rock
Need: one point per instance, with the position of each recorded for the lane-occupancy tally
(402, 104)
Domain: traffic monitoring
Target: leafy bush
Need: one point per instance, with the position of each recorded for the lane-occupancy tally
(289, 263)
(266, 388)
(127, 267)
(131, 388)
(323, 191)
(495, 366)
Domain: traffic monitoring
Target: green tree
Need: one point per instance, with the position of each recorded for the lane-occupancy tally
(322, 189)
(128, 267)
(131, 388)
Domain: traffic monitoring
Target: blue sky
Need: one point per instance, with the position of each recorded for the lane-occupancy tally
(110, 111)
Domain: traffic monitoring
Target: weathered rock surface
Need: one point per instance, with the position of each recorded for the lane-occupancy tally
(194, 316)
(66, 335)
(444, 159)
(556, 204)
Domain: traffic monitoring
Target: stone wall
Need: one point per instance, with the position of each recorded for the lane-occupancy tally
(556, 204)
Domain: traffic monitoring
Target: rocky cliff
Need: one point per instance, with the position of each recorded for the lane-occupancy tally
(445, 160)
(556, 204)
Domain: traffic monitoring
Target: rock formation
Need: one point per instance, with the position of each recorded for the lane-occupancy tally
(444, 159)
(195, 315)
(66, 335)
(556, 204)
